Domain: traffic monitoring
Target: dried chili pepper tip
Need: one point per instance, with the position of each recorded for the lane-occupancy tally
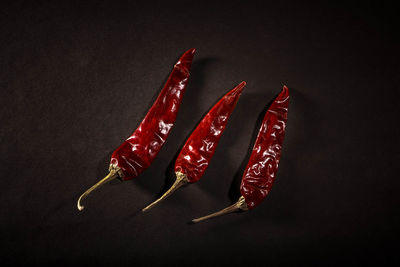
(285, 90)
(239, 88)
(189, 53)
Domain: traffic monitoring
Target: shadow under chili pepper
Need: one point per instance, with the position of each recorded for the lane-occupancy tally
(189, 107)
(234, 190)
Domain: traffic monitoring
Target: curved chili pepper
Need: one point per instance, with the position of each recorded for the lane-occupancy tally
(261, 169)
(137, 152)
(198, 150)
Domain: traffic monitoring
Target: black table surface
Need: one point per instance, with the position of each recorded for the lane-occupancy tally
(77, 78)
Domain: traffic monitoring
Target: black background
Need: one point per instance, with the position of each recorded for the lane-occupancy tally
(77, 78)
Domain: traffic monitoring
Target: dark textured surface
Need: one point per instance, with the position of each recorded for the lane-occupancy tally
(76, 79)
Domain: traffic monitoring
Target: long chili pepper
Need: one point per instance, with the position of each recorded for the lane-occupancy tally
(137, 152)
(261, 169)
(198, 150)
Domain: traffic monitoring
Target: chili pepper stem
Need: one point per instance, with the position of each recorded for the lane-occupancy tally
(111, 176)
(239, 205)
(181, 179)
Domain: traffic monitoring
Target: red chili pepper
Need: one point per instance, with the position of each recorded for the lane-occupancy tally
(264, 160)
(198, 150)
(137, 152)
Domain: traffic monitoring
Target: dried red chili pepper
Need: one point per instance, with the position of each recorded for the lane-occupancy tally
(198, 150)
(263, 164)
(137, 152)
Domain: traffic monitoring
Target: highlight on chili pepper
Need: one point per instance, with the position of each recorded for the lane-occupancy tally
(261, 169)
(198, 150)
(138, 151)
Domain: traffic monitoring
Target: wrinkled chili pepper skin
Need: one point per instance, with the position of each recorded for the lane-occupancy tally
(263, 163)
(137, 152)
(198, 150)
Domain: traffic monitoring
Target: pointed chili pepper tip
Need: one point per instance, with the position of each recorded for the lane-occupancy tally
(238, 89)
(284, 92)
(190, 52)
(241, 86)
(285, 89)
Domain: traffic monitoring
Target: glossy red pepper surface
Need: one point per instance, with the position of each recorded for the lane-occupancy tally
(198, 150)
(136, 154)
(263, 163)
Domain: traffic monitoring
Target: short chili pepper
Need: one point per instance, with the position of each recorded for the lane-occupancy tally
(137, 152)
(200, 147)
(261, 169)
